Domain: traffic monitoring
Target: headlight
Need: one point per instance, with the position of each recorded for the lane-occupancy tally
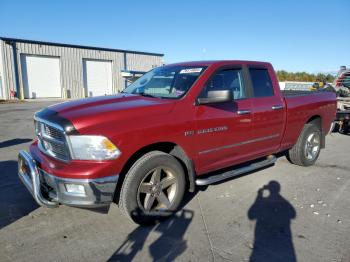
(93, 148)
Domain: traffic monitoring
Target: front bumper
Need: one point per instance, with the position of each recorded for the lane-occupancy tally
(50, 191)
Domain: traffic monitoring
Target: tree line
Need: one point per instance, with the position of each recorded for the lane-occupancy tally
(303, 77)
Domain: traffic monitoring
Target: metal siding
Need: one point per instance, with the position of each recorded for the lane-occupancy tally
(118, 67)
(20, 76)
(71, 65)
(5, 68)
(142, 62)
(3, 91)
(8, 70)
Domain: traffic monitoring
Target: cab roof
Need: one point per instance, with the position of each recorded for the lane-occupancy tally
(219, 63)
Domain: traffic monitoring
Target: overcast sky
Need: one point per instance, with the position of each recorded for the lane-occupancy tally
(294, 35)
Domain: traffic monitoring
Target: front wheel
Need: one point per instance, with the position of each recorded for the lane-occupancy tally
(153, 188)
(307, 149)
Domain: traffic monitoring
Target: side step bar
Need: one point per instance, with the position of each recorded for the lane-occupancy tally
(236, 172)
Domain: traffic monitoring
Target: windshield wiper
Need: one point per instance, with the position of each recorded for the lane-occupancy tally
(147, 95)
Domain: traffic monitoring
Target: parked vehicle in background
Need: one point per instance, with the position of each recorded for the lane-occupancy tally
(342, 87)
(167, 132)
(343, 114)
(342, 82)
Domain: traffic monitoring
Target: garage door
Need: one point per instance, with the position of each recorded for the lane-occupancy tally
(41, 76)
(98, 77)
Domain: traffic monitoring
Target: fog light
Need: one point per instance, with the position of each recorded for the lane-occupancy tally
(75, 189)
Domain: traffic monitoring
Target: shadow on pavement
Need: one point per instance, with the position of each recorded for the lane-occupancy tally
(273, 214)
(167, 247)
(13, 142)
(15, 200)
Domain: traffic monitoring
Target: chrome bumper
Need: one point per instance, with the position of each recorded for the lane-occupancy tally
(50, 191)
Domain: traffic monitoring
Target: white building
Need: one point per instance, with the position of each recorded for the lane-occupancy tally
(35, 69)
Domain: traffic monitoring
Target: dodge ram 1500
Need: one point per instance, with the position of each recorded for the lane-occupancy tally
(166, 133)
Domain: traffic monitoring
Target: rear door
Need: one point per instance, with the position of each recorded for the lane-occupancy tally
(268, 111)
(223, 129)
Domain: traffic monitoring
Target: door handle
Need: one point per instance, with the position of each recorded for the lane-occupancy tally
(243, 112)
(277, 107)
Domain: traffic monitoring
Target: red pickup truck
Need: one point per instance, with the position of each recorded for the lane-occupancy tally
(166, 133)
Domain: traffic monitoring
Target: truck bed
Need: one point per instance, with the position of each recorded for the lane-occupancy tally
(289, 93)
(301, 105)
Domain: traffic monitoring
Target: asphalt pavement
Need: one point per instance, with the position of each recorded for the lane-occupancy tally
(281, 213)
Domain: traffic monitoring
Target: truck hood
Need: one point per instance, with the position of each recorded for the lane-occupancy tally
(88, 113)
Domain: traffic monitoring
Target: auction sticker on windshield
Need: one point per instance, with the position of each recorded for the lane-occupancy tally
(191, 70)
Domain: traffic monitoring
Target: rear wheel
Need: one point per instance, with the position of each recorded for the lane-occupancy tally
(307, 149)
(153, 188)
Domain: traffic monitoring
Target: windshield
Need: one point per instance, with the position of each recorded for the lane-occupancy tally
(166, 82)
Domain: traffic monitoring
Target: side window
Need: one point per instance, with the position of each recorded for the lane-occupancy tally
(226, 79)
(262, 85)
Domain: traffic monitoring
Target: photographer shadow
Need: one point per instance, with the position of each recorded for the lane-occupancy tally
(169, 244)
(15, 200)
(273, 214)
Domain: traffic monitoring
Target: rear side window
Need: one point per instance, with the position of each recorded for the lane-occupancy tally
(262, 85)
(226, 79)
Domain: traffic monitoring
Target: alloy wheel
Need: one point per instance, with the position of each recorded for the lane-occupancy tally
(157, 190)
(312, 146)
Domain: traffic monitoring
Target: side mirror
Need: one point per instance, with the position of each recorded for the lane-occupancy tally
(217, 96)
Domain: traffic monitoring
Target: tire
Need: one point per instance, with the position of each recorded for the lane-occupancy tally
(141, 186)
(307, 149)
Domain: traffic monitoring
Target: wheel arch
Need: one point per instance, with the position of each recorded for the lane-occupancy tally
(317, 120)
(166, 147)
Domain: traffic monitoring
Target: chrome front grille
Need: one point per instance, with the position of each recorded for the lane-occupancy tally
(52, 140)
(54, 133)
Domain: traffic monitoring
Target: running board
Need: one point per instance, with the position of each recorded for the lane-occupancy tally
(236, 172)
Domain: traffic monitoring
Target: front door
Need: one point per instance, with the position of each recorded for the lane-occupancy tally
(223, 129)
